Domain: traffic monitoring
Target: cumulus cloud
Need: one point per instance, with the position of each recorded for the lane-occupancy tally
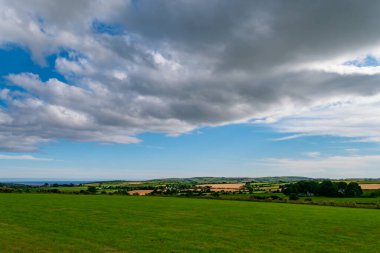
(357, 117)
(172, 67)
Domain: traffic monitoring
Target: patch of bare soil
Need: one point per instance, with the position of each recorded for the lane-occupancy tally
(140, 192)
(370, 186)
(223, 187)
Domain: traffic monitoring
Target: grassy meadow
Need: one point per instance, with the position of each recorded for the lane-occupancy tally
(102, 223)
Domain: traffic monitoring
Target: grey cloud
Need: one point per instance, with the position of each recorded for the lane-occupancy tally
(179, 65)
(255, 35)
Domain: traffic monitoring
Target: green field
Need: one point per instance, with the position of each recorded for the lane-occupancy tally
(66, 189)
(347, 200)
(96, 223)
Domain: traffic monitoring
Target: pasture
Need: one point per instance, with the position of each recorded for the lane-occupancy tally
(102, 223)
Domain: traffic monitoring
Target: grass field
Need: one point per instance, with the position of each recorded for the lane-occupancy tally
(347, 200)
(66, 189)
(96, 223)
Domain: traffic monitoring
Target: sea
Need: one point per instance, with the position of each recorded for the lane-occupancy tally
(42, 182)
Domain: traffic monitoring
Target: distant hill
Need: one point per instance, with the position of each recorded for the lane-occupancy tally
(190, 180)
(219, 180)
(11, 185)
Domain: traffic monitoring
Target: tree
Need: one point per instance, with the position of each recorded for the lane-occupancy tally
(301, 187)
(353, 189)
(289, 188)
(307, 187)
(248, 187)
(341, 188)
(328, 189)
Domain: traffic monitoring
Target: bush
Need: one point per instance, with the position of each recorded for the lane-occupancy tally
(7, 190)
(54, 191)
(215, 194)
(293, 196)
(374, 194)
(91, 189)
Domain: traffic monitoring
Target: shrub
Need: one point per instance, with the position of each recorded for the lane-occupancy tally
(293, 196)
(215, 194)
(91, 189)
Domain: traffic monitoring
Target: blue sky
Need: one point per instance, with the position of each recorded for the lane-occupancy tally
(233, 150)
(131, 90)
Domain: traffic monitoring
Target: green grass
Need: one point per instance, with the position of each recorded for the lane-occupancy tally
(362, 202)
(66, 189)
(95, 223)
(347, 200)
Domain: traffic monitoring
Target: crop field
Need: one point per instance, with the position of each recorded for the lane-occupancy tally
(102, 223)
(223, 187)
(140, 192)
(370, 186)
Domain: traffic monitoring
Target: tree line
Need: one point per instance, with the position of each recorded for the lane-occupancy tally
(325, 188)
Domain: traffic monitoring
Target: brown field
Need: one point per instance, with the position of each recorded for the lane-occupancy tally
(370, 186)
(135, 182)
(140, 192)
(223, 187)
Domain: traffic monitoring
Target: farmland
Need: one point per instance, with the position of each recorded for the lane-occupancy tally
(370, 186)
(102, 223)
(257, 190)
(223, 187)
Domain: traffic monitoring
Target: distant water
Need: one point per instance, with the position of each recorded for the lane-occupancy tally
(38, 183)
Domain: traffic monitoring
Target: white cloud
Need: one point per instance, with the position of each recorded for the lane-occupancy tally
(333, 167)
(348, 69)
(352, 150)
(313, 154)
(352, 63)
(24, 157)
(355, 117)
(289, 137)
(120, 75)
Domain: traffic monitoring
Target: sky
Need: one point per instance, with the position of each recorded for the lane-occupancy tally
(116, 89)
